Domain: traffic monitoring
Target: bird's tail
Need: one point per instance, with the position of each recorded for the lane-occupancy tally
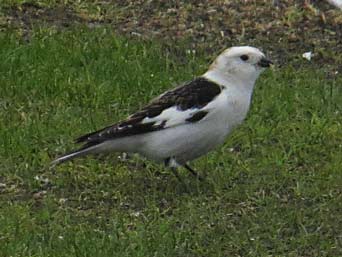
(74, 154)
(126, 144)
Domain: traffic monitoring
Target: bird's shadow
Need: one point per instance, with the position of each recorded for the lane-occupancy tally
(146, 176)
(132, 185)
(157, 179)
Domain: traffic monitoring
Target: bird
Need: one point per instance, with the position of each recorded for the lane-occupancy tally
(187, 121)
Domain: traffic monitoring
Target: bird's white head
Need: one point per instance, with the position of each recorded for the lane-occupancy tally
(240, 65)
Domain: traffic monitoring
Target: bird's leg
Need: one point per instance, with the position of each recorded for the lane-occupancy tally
(193, 172)
(173, 165)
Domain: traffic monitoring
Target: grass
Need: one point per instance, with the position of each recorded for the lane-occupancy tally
(274, 188)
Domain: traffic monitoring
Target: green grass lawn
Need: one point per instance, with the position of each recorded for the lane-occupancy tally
(274, 188)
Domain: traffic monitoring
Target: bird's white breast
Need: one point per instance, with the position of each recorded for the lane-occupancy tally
(238, 102)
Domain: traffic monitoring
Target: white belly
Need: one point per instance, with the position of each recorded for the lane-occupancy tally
(190, 141)
(184, 143)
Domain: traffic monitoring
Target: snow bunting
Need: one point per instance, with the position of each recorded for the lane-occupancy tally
(188, 121)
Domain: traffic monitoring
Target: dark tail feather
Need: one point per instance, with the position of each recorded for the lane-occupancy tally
(72, 155)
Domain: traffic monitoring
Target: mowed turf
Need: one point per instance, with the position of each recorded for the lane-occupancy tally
(274, 188)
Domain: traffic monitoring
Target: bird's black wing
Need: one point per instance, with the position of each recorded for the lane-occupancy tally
(192, 95)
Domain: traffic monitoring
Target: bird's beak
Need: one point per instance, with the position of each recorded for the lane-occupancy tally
(264, 62)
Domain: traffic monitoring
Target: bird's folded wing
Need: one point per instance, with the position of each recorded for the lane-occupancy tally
(181, 105)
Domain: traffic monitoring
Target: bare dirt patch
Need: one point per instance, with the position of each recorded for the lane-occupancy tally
(285, 29)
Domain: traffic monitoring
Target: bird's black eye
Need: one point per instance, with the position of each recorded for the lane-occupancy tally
(244, 57)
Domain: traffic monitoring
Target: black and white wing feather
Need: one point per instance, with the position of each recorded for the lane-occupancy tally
(178, 106)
